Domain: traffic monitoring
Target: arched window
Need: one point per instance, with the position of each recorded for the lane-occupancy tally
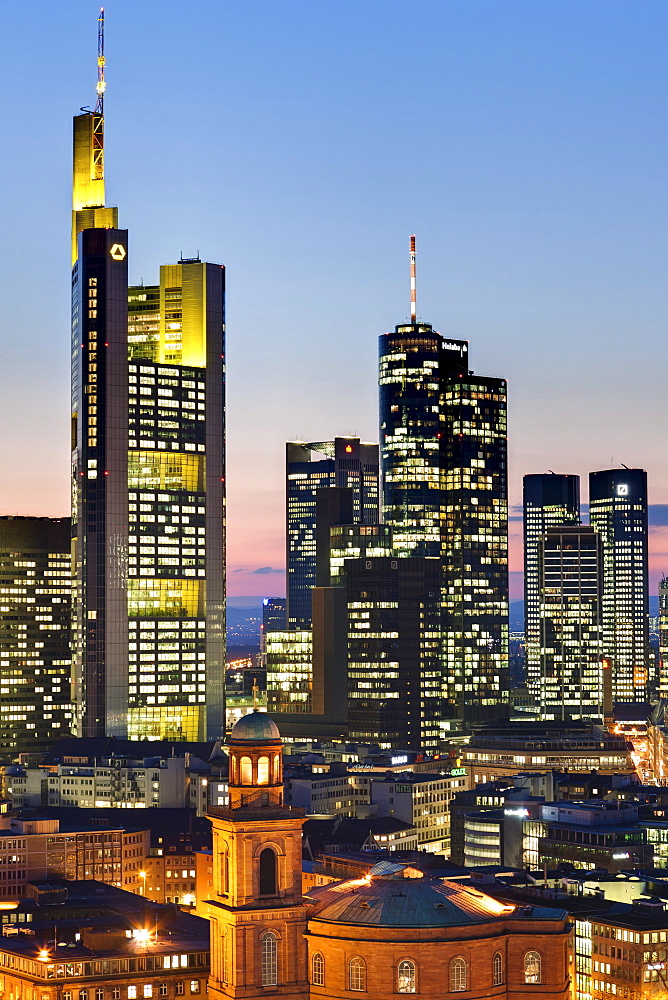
(234, 769)
(246, 771)
(263, 771)
(406, 977)
(277, 770)
(318, 970)
(267, 872)
(269, 959)
(83, 994)
(532, 967)
(67, 995)
(357, 974)
(497, 969)
(99, 994)
(458, 975)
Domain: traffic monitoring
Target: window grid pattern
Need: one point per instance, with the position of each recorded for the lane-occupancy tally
(269, 959)
(458, 975)
(357, 975)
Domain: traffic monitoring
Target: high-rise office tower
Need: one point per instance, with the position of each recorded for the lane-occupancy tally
(663, 639)
(148, 519)
(549, 500)
(394, 651)
(618, 511)
(35, 627)
(570, 583)
(347, 462)
(444, 475)
(475, 546)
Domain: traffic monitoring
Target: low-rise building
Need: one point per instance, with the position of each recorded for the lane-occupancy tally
(108, 945)
(423, 800)
(500, 752)
(38, 847)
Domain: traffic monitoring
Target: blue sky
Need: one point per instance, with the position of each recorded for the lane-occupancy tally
(300, 143)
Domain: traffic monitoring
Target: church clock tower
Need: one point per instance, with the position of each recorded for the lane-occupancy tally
(257, 915)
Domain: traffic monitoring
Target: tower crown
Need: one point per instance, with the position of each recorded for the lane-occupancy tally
(256, 762)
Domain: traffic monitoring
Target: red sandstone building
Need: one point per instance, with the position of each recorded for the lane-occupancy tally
(393, 931)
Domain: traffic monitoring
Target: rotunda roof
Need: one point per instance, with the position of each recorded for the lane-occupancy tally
(409, 902)
(256, 727)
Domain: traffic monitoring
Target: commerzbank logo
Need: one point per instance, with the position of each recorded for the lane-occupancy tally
(117, 251)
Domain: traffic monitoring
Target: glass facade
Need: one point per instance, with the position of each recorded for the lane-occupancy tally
(444, 476)
(148, 491)
(35, 628)
(549, 500)
(345, 462)
(394, 668)
(474, 508)
(618, 512)
(289, 660)
(570, 649)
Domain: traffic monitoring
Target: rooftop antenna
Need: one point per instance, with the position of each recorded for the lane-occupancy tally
(101, 85)
(413, 292)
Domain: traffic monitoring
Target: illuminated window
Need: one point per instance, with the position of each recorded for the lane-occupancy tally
(148, 990)
(458, 975)
(497, 969)
(269, 959)
(263, 771)
(532, 967)
(194, 985)
(406, 977)
(246, 771)
(357, 975)
(318, 970)
(132, 993)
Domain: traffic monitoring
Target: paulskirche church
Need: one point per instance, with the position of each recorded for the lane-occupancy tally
(393, 931)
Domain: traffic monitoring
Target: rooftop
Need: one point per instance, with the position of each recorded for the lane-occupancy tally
(394, 900)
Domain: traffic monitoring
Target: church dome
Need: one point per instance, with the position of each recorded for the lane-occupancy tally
(256, 727)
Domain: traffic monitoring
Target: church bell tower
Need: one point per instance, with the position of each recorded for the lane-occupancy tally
(258, 918)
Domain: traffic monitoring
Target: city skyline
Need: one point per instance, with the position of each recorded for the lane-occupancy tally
(533, 241)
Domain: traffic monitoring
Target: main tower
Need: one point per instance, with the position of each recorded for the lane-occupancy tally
(148, 476)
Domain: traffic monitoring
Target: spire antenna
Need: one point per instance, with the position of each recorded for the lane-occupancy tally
(101, 85)
(413, 290)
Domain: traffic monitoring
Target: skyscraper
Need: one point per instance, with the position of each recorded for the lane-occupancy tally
(348, 463)
(394, 651)
(148, 519)
(570, 578)
(549, 500)
(474, 546)
(618, 511)
(35, 627)
(444, 475)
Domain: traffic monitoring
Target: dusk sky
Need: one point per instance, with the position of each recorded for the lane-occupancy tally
(300, 143)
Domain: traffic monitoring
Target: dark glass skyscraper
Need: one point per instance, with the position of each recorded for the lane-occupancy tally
(549, 500)
(618, 511)
(148, 489)
(394, 651)
(35, 628)
(347, 462)
(444, 487)
(415, 363)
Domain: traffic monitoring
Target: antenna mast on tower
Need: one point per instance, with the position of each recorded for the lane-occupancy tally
(413, 291)
(100, 88)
